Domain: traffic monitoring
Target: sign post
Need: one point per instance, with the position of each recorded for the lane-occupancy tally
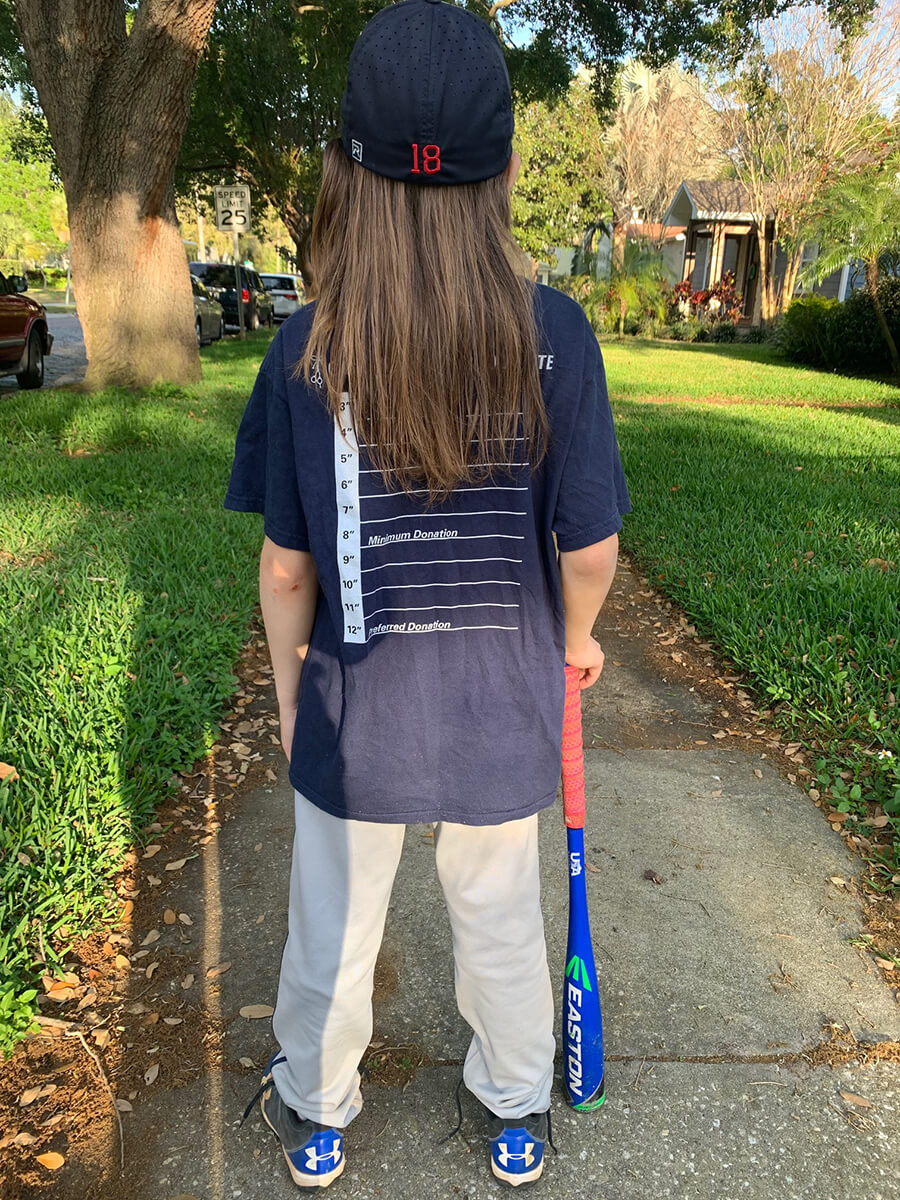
(233, 216)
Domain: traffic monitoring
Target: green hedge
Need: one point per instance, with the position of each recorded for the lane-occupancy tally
(826, 333)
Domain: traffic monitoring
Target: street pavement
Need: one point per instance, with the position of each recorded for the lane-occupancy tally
(720, 984)
(66, 362)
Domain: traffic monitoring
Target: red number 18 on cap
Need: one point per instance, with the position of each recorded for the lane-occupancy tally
(431, 159)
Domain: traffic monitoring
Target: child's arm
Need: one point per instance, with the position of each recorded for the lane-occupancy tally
(586, 578)
(288, 590)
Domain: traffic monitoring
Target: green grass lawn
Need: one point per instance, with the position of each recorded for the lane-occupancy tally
(125, 594)
(126, 589)
(665, 371)
(777, 528)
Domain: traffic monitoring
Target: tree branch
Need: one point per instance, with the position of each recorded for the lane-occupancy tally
(497, 5)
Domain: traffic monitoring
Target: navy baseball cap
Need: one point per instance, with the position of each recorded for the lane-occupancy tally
(427, 97)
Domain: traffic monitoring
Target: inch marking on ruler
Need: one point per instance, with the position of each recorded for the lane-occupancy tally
(346, 480)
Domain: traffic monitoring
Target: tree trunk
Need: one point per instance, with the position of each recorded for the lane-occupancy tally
(299, 226)
(617, 262)
(872, 289)
(117, 104)
(766, 299)
(791, 271)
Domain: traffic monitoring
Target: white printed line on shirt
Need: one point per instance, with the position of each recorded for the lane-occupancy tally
(483, 512)
(465, 537)
(435, 607)
(452, 629)
(424, 491)
(375, 470)
(433, 562)
(402, 587)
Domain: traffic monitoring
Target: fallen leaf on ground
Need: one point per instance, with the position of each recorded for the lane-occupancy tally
(837, 881)
(122, 963)
(886, 964)
(8, 772)
(151, 850)
(880, 822)
(152, 936)
(127, 910)
(36, 1093)
(859, 1101)
(169, 917)
(101, 1038)
(150, 969)
(590, 866)
(757, 772)
(187, 981)
(218, 969)
(150, 1019)
(185, 919)
(176, 865)
(51, 1121)
(652, 876)
(720, 733)
(254, 1011)
(24, 1139)
(124, 1105)
(246, 1062)
(51, 1160)
(151, 1073)
(173, 1020)
(154, 880)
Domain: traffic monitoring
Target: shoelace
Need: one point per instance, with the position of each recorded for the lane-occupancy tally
(264, 1086)
(459, 1120)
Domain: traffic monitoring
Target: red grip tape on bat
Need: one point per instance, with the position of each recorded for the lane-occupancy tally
(573, 753)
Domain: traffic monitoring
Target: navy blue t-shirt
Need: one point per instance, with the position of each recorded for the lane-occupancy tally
(433, 686)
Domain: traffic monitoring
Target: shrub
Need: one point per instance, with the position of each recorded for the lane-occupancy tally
(724, 331)
(842, 336)
(681, 331)
(701, 333)
(756, 335)
(860, 341)
(808, 331)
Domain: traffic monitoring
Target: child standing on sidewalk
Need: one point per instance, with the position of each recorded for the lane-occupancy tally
(432, 448)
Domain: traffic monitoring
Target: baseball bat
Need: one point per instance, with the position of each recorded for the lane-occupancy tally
(582, 1022)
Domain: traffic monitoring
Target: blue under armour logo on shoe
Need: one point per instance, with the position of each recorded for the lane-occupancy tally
(321, 1155)
(517, 1155)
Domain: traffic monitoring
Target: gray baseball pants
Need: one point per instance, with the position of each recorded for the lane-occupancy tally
(342, 873)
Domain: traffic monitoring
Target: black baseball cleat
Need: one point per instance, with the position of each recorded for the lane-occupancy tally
(517, 1147)
(314, 1153)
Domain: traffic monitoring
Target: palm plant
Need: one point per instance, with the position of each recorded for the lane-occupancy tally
(638, 285)
(860, 218)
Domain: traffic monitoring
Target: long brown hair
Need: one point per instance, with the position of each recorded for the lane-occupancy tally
(423, 318)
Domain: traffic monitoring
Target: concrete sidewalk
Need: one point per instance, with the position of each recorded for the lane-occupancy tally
(720, 985)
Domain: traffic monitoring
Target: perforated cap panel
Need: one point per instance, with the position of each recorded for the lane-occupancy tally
(427, 97)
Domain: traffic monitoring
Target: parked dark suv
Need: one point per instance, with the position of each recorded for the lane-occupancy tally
(24, 337)
(259, 307)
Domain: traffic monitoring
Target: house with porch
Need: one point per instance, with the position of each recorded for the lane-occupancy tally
(720, 235)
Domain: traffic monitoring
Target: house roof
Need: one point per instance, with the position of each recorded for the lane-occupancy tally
(710, 200)
(653, 229)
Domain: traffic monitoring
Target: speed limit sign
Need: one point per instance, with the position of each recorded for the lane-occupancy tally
(233, 208)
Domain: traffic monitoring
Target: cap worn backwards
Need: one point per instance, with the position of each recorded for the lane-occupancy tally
(427, 97)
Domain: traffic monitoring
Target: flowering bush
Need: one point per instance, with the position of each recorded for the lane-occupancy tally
(717, 303)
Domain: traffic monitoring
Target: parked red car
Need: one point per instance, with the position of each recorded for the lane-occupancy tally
(24, 336)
